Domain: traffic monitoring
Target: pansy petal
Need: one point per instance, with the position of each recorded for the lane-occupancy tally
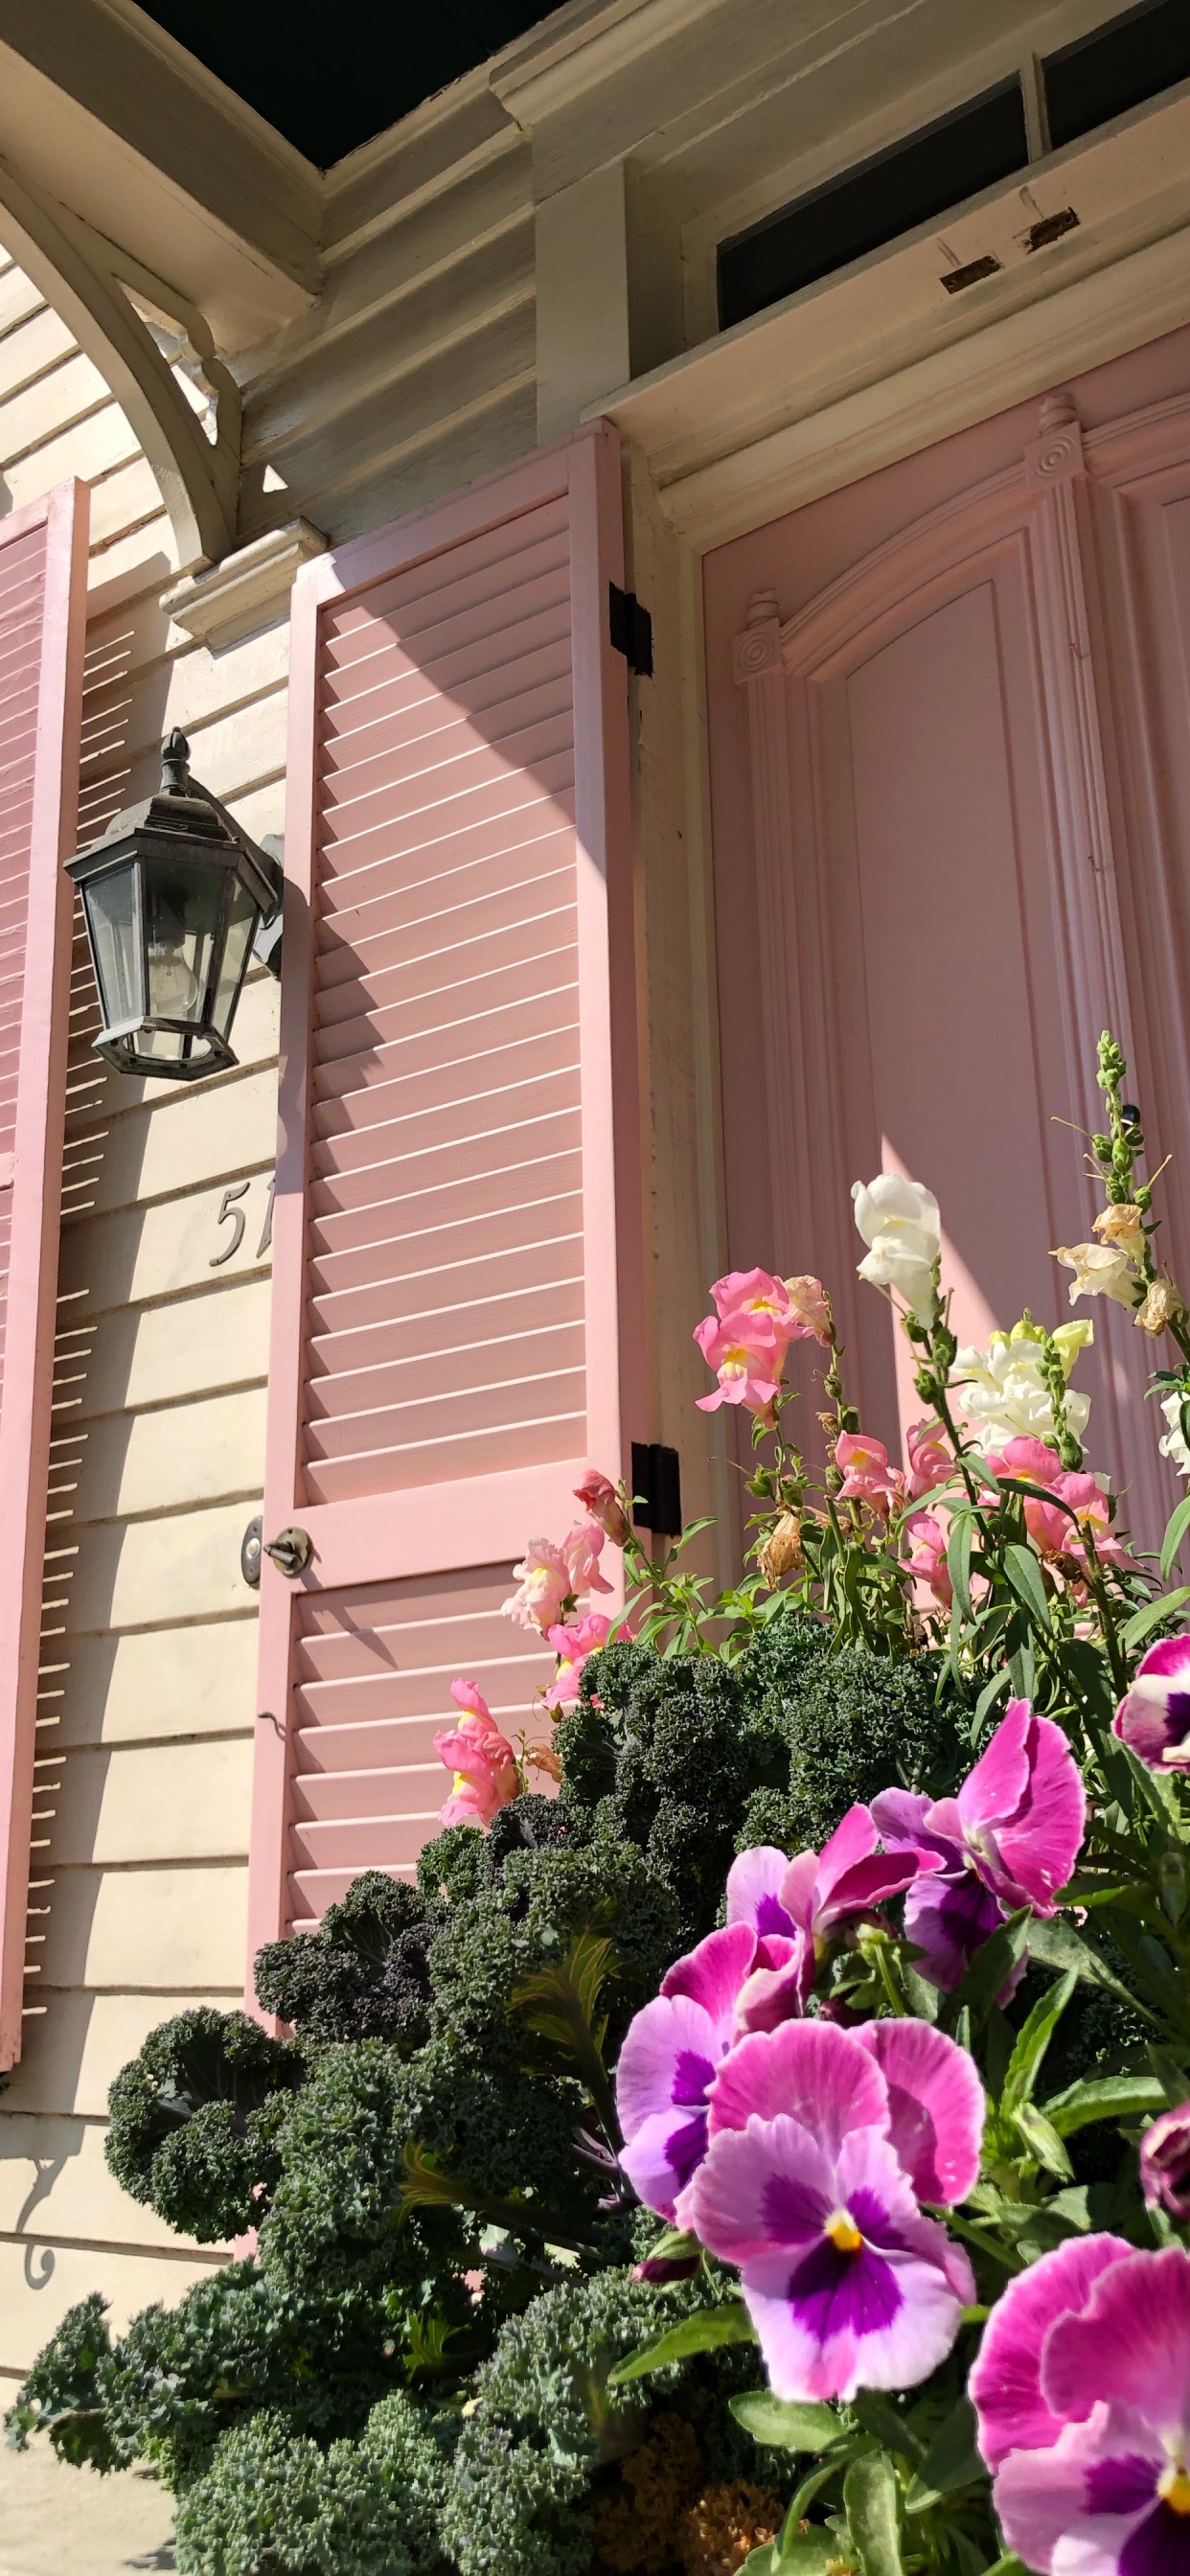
(872, 1881)
(754, 1890)
(1170, 1658)
(777, 1989)
(1005, 2383)
(713, 1974)
(1129, 2346)
(1039, 1845)
(899, 1816)
(997, 1784)
(808, 2069)
(662, 2156)
(935, 2102)
(1043, 2498)
(851, 1841)
(669, 2055)
(797, 1889)
(842, 2322)
(764, 2187)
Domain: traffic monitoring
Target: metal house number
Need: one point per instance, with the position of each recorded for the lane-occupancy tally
(230, 1212)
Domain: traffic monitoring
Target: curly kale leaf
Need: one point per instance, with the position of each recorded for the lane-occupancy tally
(195, 2120)
(854, 1725)
(363, 1975)
(272, 2503)
(63, 2395)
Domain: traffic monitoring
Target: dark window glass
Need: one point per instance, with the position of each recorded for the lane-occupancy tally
(907, 185)
(1130, 59)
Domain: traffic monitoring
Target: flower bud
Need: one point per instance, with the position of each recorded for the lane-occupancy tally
(598, 1496)
(781, 1552)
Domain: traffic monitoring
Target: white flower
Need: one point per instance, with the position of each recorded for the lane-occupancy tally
(1003, 1395)
(1174, 1444)
(899, 1221)
(1100, 1270)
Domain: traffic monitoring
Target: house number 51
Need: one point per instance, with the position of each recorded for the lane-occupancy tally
(231, 1213)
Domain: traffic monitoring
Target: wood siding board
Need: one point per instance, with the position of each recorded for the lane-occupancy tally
(34, 1079)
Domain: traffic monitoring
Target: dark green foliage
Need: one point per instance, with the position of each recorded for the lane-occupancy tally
(195, 2120)
(63, 2394)
(362, 1975)
(271, 2503)
(535, 1904)
(854, 1724)
(338, 2222)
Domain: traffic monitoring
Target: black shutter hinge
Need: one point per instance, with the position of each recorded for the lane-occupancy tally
(656, 1488)
(630, 630)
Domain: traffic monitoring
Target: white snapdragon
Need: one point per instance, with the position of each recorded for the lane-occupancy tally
(1174, 1445)
(1001, 1393)
(899, 1222)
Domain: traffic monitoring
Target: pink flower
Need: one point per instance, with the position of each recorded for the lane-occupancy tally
(599, 1499)
(928, 1560)
(867, 1475)
(822, 2142)
(1165, 2163)
(931, 1461)
(545, 1586)
(1029, 1459)
(809, 1308)
(1017, 1821)
(582, 1548)
(668, 2062)
(747, 1354)
(757, 1292)
(482, 1760)
(1082, 2394)
(814, 1894)
(1087, 1500)
(1154, 1719)
(572, 1643)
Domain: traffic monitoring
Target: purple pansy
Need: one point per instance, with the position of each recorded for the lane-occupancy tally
(1010, 1838)
(668, 2063)
(1154, 1719)
(821, 2142)
(1082, 2391)
(1165, 2163)
(813, 1894)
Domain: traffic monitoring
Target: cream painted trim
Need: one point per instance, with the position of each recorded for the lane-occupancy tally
(589, 42)
(245, 589)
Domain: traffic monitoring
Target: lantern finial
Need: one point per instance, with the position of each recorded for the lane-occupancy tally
(175, 764)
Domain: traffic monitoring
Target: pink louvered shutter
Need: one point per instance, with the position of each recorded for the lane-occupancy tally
(43, 575)
(457, 1234)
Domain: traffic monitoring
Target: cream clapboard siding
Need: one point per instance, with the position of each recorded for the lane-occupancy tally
(150, 1632)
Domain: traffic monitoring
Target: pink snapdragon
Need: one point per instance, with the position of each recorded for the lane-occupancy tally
(867, 1474)
(822, 2144)
(573, 1643)
(582, 1548)
(931, 1460)
(545, 1585)
(810, 1308)
(600, 1501)
(747, 1354)
(1082, 2397)
(1033, 1461)
(485, 1770)
(1154, 1719)
(928, 1559)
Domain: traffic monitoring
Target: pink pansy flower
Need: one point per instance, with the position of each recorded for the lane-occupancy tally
(867, 1475)
(822, 2144)
(818, 1891)
(599, 1500)
(482, 1760)
(1082, 2391)
(949, 1913)
(545, 1585)
(747, 1354)
(1154, 1719)
(928, 1560)
(931, 1460)
(668, 2063)
(572, 1643)
(582, 1548)
(1165, 2163)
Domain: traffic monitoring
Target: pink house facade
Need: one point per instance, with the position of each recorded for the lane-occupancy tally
(722, 678)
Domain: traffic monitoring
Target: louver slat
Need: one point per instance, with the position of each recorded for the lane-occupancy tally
(457, 1228)
(43, 570)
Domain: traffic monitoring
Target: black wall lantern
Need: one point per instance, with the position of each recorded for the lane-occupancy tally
(174, 895)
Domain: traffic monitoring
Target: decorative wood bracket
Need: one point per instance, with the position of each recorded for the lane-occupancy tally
(83, 278)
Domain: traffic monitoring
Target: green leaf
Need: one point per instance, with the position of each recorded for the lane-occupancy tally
(1042, 2141)
(1024, 2065)
(805, 2553)
(1054, 1943)
(1103, 2097)
(784, 2424)
(1023, 1572)
(958, 1559)
(952, 2460)
(1175, 1531)
(882, 2420)
(870, 2501)
(1137, 1628)
(699, 2333)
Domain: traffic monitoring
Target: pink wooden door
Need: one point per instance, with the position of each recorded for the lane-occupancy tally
(934, 699)
(43, 577)
(458, 1223)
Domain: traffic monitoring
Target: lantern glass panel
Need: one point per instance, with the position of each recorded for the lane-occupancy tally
(183, 904)
(110, 902)
(243, 915)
